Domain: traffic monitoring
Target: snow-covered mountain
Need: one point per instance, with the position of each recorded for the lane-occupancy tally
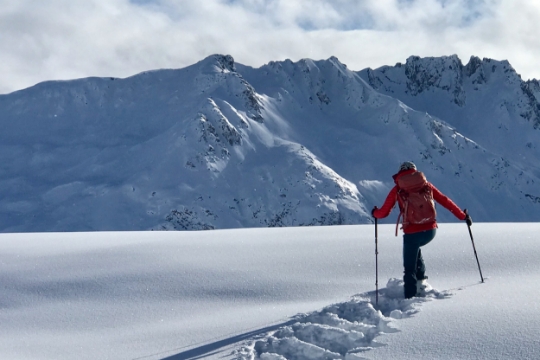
(485, 100)
(223, 145)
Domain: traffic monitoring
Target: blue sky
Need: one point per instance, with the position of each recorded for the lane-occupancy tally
(63, 39)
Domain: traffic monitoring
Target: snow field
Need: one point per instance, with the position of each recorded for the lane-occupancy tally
(267, 293)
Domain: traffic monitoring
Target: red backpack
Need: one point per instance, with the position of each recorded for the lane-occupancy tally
(415, 198)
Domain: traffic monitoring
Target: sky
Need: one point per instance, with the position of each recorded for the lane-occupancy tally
(65, 39)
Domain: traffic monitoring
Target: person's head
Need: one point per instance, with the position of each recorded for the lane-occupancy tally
(407, 165)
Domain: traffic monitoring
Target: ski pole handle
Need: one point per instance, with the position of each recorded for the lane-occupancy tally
(468, 219)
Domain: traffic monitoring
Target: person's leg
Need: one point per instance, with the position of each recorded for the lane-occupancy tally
(413, 263)
(420, 266)
(424, 239)
(410, 256)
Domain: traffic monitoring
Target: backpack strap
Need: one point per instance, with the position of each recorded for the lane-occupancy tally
(402, 204)
(402, 212)
(397, 222)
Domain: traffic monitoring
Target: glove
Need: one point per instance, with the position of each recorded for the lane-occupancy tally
(468, 219)
(373, 211)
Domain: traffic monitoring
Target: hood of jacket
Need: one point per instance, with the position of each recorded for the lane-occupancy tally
(401, 173)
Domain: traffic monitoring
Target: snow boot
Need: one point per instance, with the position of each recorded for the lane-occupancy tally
(422, 287)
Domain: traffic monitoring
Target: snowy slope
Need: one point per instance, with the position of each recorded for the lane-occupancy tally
(486, 100)
(183, 149)
(233, 294)
(221, 145)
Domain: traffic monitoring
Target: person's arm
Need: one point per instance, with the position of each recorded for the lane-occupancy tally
(388, 205)
(447, 203)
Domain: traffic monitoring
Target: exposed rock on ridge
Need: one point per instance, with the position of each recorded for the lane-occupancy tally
(220, 145)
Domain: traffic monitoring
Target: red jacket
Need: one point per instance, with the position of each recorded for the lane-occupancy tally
(439, 197)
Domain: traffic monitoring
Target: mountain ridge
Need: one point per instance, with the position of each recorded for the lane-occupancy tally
(221, 145)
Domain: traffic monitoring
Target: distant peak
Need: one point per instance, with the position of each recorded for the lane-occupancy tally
(334, 60)
(225, 63)
(307, 63)
(474, 64)
(452, 59)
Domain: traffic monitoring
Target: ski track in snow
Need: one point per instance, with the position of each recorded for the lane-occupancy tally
(339, 331)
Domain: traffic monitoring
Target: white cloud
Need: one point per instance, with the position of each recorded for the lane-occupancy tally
(64, 39)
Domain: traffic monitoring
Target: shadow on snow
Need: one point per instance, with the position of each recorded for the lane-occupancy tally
(339, 331)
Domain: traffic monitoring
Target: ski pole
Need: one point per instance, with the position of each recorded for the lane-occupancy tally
(376, 265)
(474, 248)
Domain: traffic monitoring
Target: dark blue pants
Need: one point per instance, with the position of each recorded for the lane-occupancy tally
(413, 263)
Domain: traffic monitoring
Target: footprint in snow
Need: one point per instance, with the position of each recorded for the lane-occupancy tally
(339, 331)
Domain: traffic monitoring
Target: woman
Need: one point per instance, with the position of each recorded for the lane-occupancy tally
(416, 196)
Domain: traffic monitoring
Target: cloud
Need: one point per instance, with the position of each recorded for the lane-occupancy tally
(63, 39)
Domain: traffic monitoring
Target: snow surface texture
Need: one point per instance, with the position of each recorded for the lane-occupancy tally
(228, 294)
(221, 145)
(340, 331)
